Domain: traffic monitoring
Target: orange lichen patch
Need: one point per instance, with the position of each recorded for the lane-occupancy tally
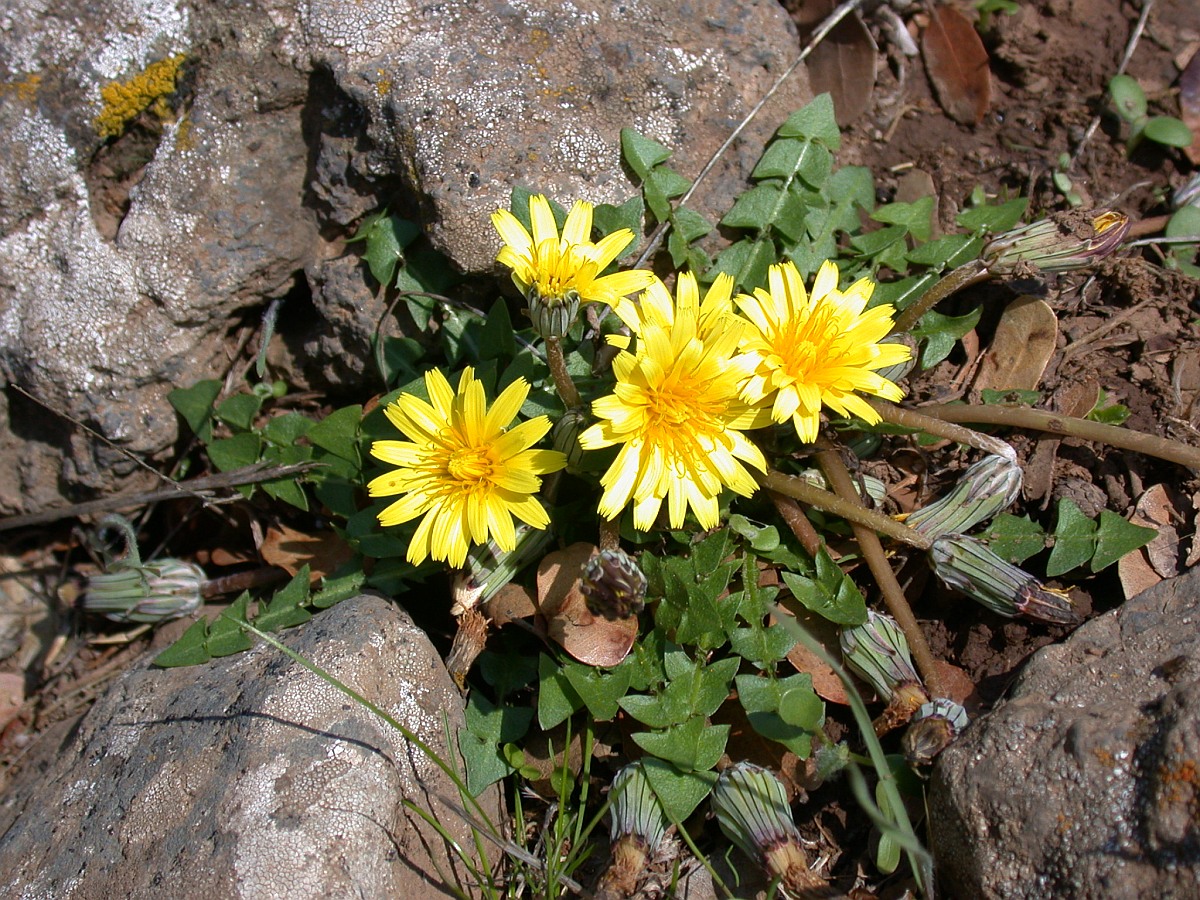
(149, 89)
(26, 88)
(1180, 782)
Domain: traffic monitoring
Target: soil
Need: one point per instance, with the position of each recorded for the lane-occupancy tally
(1128, 328)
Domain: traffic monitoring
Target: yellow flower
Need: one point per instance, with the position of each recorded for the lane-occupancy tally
(675, 410)
(556, 273)
(461, 469)
(816, 350)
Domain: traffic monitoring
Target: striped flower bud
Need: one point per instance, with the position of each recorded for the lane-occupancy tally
(877, 652)
(987, 488)
(150, 593)
(752, 809)
(875, 489)
(565, 436)
(969, 565)
(488, 568)
(552, 315)
(1061, 242)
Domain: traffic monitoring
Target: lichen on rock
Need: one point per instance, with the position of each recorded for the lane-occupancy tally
(149, 89)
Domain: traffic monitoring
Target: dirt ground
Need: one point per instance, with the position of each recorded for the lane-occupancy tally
(1129, 329)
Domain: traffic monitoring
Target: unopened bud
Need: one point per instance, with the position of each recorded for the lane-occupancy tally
(638, 824)
(565, 436)
(969, 565)
(933, 728)
(613, 585)
(488, 568)
(894, 373)
(877, 652)
(1061, 242)
(875, 489)
(552, 316)
(987, 488)
(155, 592)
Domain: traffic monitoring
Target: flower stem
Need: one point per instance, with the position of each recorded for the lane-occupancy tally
(1068, 426)
(910, 418)
(957, 279)
(835, 472)
(792, 514)
(851, 510)
(558, 371)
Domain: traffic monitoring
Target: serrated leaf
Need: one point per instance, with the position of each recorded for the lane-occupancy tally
(993, 219)
(916, 217)
(690, 747)
(386, 239)
(194, 404)
(660, 187)
(191, 649)
(1014, 538)
(642, 153)
(762, 698)
(287, 429)
(941, 333)
(601, 692)
(754, 208)
(235, 452)
(1116, 537)
(338, 433)
(830, 593)
(608, 218)
(225, 635)
(286, 608)
(1074, 539)
(747, 261)
(239, 410)
(690, 224)
(816, 121)
(679, 792)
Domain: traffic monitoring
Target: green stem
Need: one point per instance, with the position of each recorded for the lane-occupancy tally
(957, 279)
(851, 511)
(558, 371)
(1068, 426)
(893, 595)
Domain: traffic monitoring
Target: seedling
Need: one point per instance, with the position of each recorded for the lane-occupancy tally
(1130, 102)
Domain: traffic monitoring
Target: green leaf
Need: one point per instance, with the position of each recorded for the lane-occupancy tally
(498, 338)
(679, 792)
(642, 153)
(608, 218)
(342, 584)
(288, 429)
(754, 208)
(875, 243)
(235, 452)
(1014, 538)
(992, 219)
(786, 710)
(225, 636)
(239, 410)
(194, 404)
(190, 650)
(945, 251)
(489, 728)
(1010, 397)
(916, 217)
(1128, 97)
(830, 593)
(693, 746)
(386, 237)
(941, 333)
(690, 225)
(1168, 131)
(338, 433)
(1074, 539)
(1108, 413)
(1116, 537)
(660, 186)
(287, 606)
(816, 121)
(557, 700)
(601, 692)
(747, 261)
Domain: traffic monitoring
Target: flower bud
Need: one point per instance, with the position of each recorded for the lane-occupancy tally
(875, 489)
(613, 585)
(1061, 242)
(1187, 194)
(987, 488)
(877, 652)
(969, 565)
(637, 826)
(155, 592)
(752, 809)
(900, 370)
(488, 568)
(933, 728)
(565, 436)
(552, 316)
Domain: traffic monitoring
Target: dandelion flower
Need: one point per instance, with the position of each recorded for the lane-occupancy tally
(676, 411)
(462, 468)
(817, 350)
(556, 273)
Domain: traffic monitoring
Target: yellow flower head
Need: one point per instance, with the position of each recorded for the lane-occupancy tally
(556, 273)
(461, 469)
(816, 350)
(675, 410)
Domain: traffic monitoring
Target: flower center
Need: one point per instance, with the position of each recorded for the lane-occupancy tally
(471, 465)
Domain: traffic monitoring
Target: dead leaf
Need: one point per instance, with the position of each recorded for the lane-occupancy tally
(593, 640)
(957, 64)
(843, 64)
(825, 681)
(12, 695)
(291, 550)
(1136, 574)
(1074, 398)
(510, 603)
(1155, 510)
(1025, 340)
(1189, 104)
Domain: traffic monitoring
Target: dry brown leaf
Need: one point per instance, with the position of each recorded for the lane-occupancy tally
(1025, 340)
(1074, 398)
(1136, 574)
(825, 681)
(843, 64)
(12, 695)
(291, 550)
(1155, 510)
(1189, 105)
(590, 639)
(510, 603)
(957, 64)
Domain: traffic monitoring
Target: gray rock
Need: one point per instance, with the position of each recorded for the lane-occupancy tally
(250, 777)
(124, 265)
(1085, 782)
